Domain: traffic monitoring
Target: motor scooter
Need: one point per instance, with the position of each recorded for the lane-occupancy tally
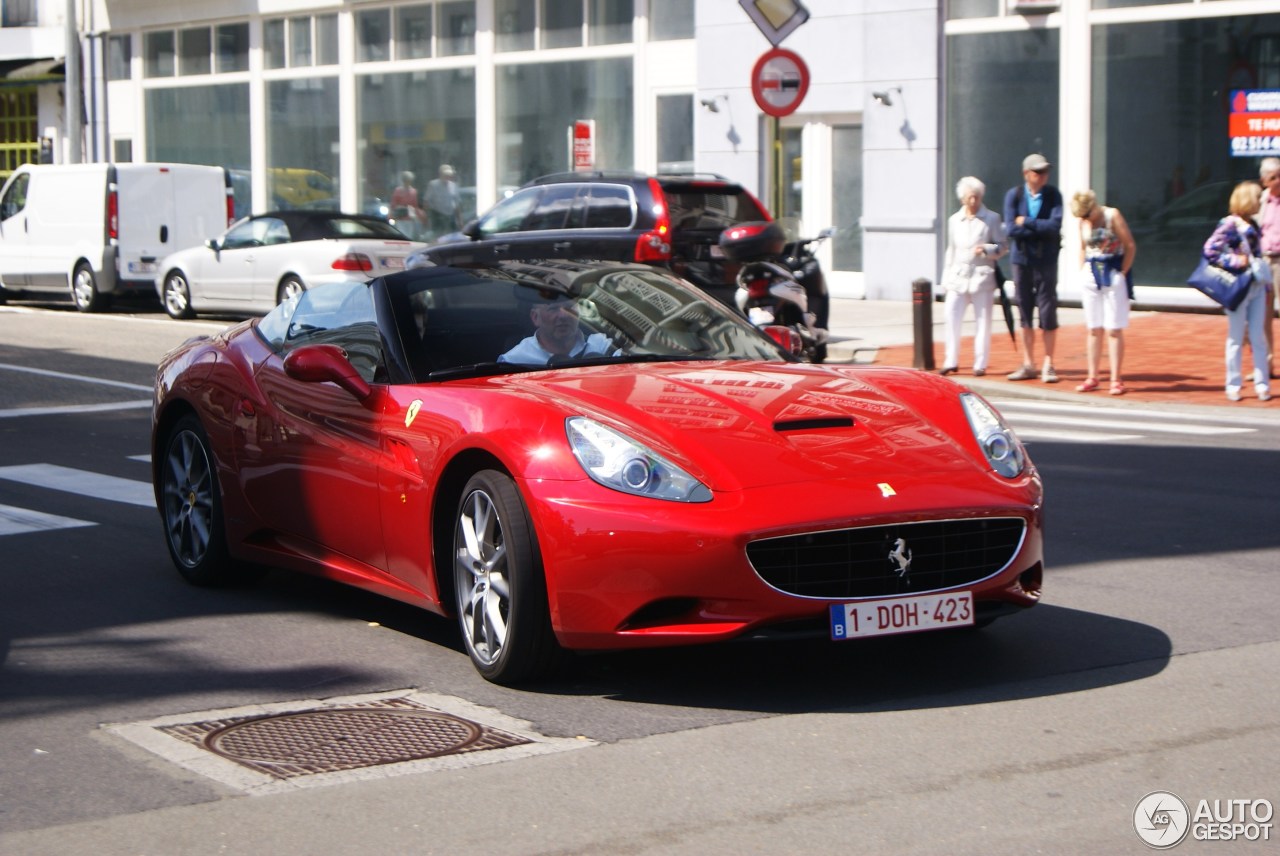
(780, 283)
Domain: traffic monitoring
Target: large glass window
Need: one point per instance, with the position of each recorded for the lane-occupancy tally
(514, 24)
(195, 51)
(670, 19)
(675, 133)
(538, 103)
(160, 58)
(610, 21)
(561, 23)
(373, 35)
(1161, 150)
(413, 32)
(302, 143)
(199, 124)
(119, 57)
(1002, 104)
(233, 47)
(417, 122)
(301, 41)
(457, 28)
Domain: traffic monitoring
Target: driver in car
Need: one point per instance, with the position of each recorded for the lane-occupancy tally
(556, 334)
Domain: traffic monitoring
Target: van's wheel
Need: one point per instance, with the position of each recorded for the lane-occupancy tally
(177, 295)
(290, 286)
(84, 290)
(501, 590)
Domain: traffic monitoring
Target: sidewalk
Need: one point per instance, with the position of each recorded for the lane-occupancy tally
(1170, 357)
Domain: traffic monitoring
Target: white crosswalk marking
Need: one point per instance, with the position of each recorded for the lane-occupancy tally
(15, 521)
(1040, 420)
(82, 482)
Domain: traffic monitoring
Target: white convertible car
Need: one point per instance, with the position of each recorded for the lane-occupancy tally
(263, 260)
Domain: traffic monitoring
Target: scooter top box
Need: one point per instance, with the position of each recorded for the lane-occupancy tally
(748, 241)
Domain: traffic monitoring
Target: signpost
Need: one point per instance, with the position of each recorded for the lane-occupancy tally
(779, 82)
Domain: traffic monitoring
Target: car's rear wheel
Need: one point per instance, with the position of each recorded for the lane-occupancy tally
(290, 286)
(84, 290)
(177, 295)
(191, 507)
(501, 591)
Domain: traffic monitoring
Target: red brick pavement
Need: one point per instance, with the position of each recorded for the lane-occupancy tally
(1170, 357)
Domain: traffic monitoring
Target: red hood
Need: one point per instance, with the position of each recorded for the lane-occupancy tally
(747, 424)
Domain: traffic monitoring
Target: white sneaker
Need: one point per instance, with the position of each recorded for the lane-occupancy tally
(1264, 393)
(1233, 393)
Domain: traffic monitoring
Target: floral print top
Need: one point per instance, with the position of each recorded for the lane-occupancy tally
(1233, 244)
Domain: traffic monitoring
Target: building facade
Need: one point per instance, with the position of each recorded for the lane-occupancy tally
(315, 103)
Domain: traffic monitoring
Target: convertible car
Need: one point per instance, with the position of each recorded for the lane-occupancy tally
(587, 455)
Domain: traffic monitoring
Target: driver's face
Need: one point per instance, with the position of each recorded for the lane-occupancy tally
(559, 318)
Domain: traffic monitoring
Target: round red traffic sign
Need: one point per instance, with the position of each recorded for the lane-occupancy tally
(779, 82)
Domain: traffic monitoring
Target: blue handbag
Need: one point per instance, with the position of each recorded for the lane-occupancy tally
(1222, 286)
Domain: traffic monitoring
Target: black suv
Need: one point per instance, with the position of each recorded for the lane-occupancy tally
(670, 220)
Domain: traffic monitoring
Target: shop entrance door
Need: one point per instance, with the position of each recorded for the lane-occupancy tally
(821, 188)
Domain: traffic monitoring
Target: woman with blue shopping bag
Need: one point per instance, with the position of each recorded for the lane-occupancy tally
(1107, 250)
(1234, 247)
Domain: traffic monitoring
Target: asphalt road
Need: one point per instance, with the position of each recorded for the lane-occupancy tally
(1150, 666)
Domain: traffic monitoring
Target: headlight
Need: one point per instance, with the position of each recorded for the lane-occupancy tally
(996, 439)
(618, 462)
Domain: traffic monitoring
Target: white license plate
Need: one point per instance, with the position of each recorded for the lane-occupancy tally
(901, 615)
(393, 263)
(717, 252)
(142, 267)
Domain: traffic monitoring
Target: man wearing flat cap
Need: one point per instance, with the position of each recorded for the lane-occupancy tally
(1033, 224)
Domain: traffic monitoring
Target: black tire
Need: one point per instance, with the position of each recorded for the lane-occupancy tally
(176, 295)
(191, 508)
(84, 290)
(289, 286)
(501, 590)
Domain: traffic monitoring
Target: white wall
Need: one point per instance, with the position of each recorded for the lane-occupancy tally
(852, 48)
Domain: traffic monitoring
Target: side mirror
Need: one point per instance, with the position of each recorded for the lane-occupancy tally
(787, 339)
(472, 230)
(214, 244)
(321, 363)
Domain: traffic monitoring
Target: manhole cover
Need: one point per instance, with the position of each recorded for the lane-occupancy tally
(327, 740)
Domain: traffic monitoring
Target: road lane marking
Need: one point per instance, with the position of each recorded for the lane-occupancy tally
(82, 483)
(66, 409)
(82, 378)
(16, 521)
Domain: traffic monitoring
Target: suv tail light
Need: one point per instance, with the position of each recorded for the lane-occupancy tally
(353, 261)
(113, 213)
(655, 245)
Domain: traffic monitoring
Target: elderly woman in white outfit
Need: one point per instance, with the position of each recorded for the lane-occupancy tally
(975, 240)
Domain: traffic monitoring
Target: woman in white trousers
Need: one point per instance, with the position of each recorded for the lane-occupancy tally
(975, 241)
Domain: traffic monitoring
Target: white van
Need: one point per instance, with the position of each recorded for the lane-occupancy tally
(95, 230)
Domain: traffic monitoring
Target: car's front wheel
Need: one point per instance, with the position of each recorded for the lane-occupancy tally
(191, 508)
(501, 591)
(177, 295)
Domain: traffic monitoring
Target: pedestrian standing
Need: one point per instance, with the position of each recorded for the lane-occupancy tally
(1235, 246)
(405, 211)
(1107, 251)
(1269, 224)
(1033, 223)
(443, 202)
(975, 241)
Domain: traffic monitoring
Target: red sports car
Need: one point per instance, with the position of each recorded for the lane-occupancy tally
(587, 455)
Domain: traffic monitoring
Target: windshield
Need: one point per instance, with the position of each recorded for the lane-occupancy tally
(523, 316)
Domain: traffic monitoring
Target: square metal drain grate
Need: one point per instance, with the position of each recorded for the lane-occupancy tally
(266, 749)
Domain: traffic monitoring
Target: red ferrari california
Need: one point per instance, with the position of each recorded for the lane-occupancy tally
(578, 455)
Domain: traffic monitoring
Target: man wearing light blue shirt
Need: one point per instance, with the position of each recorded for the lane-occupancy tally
(556, 334)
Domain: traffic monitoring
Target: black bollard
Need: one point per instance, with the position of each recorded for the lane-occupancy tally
(922, 315)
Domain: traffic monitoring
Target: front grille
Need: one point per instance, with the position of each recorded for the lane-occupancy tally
(868, 562)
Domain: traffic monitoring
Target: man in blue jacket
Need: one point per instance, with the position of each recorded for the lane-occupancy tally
(1033, 222)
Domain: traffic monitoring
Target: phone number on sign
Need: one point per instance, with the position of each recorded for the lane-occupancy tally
(1254, 145)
